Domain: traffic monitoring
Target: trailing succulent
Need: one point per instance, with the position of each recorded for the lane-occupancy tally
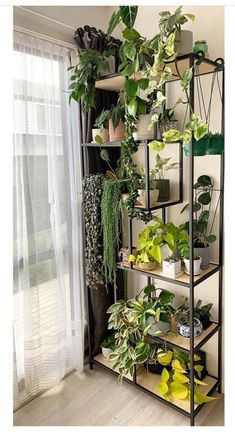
(92, 220)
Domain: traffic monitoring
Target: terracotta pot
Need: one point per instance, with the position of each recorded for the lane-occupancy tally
(118, 134)
(142, 131)
(103, 132)
(147, 266)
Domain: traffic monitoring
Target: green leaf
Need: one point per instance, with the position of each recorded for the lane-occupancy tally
(177, 366)
(181, 378)
(142, 106)
(131, 88)
(166, 297)
(196, 207)
(162, 388)
(114, 21)
(130, 50)
(170, 240)
(204, 180)
(143, 83)
(186, 78)
(200, 398)
(172, 135)
(204, 216)
(200, 131)
(128, 15)
(156, 145)
(165, 359)
(190, 16)
(98, 139)
(149, 289)
(132, 107)
(178, 390)
(104, 155)
(199, 369)
(130, 34)
(197, 381)
(155, 252)
(211, 238)
(204, 198)
(165, 375)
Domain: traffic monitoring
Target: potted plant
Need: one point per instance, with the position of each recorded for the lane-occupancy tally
(162, 167)
(166, 121)
(183, 326)
(153, 191)
(171, 266)
(175, 381)
(128, 319)
(101, 126)
(108, 346)
(158, 359)
(160, 313)
(203, 313)
(202, 235)
(116, 123)
(142, 131)
(197, 260)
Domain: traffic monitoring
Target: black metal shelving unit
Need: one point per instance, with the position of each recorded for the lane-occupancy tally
(207, 67)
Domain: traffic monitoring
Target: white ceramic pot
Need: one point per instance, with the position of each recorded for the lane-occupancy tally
(142, 131)
(106, 352)
(103, 132)
(147, 266)
(196, 266)
(153, 197)
(171, 269)
(118, 134)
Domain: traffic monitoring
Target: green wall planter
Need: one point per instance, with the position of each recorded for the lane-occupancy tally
(163, 186)
(199, 147)
(216, 145)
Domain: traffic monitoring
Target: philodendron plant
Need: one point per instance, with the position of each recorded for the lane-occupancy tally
(129, 321)
(175, 383)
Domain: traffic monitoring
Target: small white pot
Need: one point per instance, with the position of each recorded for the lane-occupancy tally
(103, 132)
(106, 352)
(196, 266)
(142, 131)
(171, 269)
(153, 197)
(125, 196)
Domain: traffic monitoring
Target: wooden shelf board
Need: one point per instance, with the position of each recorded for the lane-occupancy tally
(116, 82)
(159, 204)
(150, 382)
(101, 359)
(184, 278)
(183, 342)
(106, 144)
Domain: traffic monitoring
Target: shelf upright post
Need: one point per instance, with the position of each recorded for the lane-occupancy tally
(191, 250)
(221, 247)
(147, 174)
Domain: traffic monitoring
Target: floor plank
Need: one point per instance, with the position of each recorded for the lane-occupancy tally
(94, 398)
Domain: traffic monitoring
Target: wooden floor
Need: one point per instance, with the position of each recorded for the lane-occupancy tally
(96, 399)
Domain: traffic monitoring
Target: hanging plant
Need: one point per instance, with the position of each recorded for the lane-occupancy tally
(110, 219)
(92, 193)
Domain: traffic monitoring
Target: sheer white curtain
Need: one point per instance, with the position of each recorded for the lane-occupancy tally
(48, 302)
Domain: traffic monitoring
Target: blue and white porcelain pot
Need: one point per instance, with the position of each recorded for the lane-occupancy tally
(183, 327)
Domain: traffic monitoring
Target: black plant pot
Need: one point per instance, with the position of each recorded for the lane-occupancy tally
(155, 368)
(203, 363)
(163, 186)
(205, 320)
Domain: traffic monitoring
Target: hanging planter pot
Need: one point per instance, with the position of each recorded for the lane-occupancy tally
(183, 327)
(165, 126)
(200, 147)
(216, 144)
(163, 185)
(184, 42)
(142, 131)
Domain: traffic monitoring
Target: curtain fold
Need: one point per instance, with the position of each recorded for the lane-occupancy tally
(48, 300)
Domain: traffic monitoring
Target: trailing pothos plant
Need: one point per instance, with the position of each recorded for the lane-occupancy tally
(129, 319)
(175, 382)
